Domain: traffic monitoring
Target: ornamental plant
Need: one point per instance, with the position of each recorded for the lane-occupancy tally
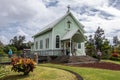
(24, 65)
(115, 55)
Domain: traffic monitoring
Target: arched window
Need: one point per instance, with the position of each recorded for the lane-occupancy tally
(57, 41)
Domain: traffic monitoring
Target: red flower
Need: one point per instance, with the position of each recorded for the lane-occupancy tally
(115, 54)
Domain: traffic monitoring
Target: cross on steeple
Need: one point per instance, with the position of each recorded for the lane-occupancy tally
(68, 8)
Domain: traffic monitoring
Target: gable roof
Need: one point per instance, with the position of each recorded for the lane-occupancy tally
(69, 34)
(51, 25)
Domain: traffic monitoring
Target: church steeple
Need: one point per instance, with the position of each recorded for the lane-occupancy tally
(68, 8)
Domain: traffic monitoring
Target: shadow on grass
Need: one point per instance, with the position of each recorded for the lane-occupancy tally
(15, 77)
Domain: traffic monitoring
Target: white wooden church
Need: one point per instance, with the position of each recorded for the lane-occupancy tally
(64, 36)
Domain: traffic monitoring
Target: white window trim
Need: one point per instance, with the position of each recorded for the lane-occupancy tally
(59, 41)
(48, 45)
(80, 45)
(40, 44)
(36, 46)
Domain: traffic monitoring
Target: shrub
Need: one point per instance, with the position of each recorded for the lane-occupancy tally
(115, 58)
(115, 55)
(24, 65)
(4, 71)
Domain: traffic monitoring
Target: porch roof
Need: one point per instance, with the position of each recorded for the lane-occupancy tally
(69, 34)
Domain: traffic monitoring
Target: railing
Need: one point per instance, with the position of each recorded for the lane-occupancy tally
(50, 52)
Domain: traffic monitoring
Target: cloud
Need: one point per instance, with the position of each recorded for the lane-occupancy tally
(3, 39)
(27, 17)
(21, 32)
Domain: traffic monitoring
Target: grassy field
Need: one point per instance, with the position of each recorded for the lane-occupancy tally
(41, 73)
(49, 72)
(116, 62)
(90, 73)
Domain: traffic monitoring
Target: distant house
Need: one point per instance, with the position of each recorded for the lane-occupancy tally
(65, 36)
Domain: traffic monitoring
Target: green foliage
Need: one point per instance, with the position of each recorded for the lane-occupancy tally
(99, 37)
(90, 50)
(115, 40)
(16, 45)
(98, 42)
(1, 51)
(115, 56)
(1, 44)
(7, 47)
(106, 49)
(1, 48)
(3, 71)
(17, 41)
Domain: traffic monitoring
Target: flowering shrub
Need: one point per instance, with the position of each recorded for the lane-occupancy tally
(115, 55)
(24, 65)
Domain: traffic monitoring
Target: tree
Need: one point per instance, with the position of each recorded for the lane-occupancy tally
(99, 37)
(8, 47)
(98, 42)
(18, 42)
(1, 48)
(90, 48)
(106, 49)
(116, 46)
(115, 40)
(1, 44)
(27, 45)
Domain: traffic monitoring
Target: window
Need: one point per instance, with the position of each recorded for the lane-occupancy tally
(68, 22)
(79, 45)
(36, 45)
(57, 41)
(41, 44)
(47, 43)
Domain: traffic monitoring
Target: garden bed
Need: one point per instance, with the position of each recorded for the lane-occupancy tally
(101, 65)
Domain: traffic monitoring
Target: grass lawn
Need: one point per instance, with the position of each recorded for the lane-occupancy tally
(49, 72)
(116, 62)
(90, 73)
(41, 73)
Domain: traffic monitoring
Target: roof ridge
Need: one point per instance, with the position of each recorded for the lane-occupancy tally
(52, 24)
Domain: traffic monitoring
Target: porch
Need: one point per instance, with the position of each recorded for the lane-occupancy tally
(57, 52)
(72, 43)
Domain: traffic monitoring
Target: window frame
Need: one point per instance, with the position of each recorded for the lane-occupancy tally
(41, 44)
(36, 45)
(57, 42)
(78, 45)
(47, 42)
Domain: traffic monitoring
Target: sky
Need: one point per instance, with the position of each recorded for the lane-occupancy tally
(27, 17)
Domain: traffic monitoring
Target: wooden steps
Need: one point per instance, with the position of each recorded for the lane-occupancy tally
(61, 59)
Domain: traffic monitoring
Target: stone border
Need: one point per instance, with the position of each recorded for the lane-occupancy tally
(76, 74)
